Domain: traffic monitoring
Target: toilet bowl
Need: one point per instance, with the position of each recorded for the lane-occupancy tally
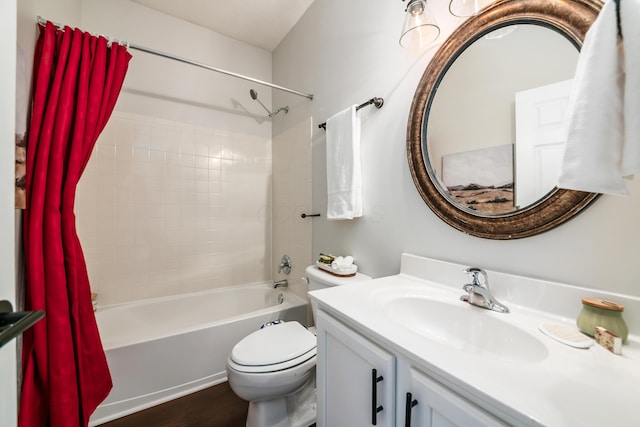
(267, 367)
(274, 367)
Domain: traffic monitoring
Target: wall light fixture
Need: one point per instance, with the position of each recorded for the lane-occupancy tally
(466, 8)
(420, 27)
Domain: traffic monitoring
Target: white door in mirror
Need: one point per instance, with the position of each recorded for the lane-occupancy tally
(541, 120)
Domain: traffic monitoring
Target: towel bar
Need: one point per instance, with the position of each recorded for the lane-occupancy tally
(377, 102)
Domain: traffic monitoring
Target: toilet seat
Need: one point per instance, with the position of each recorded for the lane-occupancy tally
(265, 369)
(274, 348)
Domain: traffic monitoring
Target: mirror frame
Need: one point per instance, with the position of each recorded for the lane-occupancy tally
(571, 18)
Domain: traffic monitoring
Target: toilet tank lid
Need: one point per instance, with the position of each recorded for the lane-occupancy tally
(273, 344)
(313, 272)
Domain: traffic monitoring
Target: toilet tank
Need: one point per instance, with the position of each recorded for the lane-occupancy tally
(319, 279)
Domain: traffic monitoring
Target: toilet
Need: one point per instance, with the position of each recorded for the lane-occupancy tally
(273, 368)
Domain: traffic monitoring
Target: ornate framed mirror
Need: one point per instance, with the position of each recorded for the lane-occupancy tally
(485, 130)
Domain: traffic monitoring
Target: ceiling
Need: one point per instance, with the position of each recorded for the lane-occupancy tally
(261, 23)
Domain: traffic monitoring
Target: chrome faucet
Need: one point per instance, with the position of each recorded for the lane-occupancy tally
(478, 292)
(280, 284)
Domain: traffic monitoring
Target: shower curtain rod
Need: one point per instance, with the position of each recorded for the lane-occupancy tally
(217, 70)
(196, 63)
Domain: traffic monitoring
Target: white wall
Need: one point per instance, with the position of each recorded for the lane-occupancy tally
(347, 52)
(8, 13)
(65, 12)
(167, 89)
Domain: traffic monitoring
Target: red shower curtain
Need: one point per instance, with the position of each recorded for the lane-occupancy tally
(76, 81)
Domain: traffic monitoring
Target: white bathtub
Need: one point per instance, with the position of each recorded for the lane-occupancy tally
(164, 348)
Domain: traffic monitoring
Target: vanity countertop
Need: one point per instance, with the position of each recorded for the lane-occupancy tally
(545, 384)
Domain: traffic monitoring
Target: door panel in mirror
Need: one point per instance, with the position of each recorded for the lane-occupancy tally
(541, 120)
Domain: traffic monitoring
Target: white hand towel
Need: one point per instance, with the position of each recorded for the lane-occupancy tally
(630, 19)
(344, 173)
(593, 154)
(337, 262)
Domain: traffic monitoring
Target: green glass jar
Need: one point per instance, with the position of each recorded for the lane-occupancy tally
(598, 312)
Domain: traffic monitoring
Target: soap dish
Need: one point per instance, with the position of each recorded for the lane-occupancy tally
(566, 335)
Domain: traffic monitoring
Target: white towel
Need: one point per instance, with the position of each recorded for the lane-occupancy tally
(630, 18)
(343, 263)
(595, 134)
(344, 173)
(603, 138)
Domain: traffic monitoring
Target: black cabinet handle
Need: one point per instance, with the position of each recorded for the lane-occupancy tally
(411, 402)
(375, 379)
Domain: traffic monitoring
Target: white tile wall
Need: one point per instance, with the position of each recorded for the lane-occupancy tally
(165, 208)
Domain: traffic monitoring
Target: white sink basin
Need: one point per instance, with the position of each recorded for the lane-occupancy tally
(465, 327)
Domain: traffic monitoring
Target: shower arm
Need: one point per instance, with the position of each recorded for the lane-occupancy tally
(254, 96)
(263, 106)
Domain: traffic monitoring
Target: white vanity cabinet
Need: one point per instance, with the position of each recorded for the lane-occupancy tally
(362, 384)
(356, 378)
(428, 403)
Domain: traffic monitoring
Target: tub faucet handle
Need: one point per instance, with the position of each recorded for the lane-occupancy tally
(285, 265)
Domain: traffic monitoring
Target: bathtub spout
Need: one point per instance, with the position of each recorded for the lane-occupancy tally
(280, 283)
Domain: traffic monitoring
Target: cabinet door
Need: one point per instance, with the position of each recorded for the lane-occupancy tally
(433, 405)
(356, 378)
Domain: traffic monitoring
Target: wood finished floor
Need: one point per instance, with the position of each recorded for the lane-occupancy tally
(215, 406)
